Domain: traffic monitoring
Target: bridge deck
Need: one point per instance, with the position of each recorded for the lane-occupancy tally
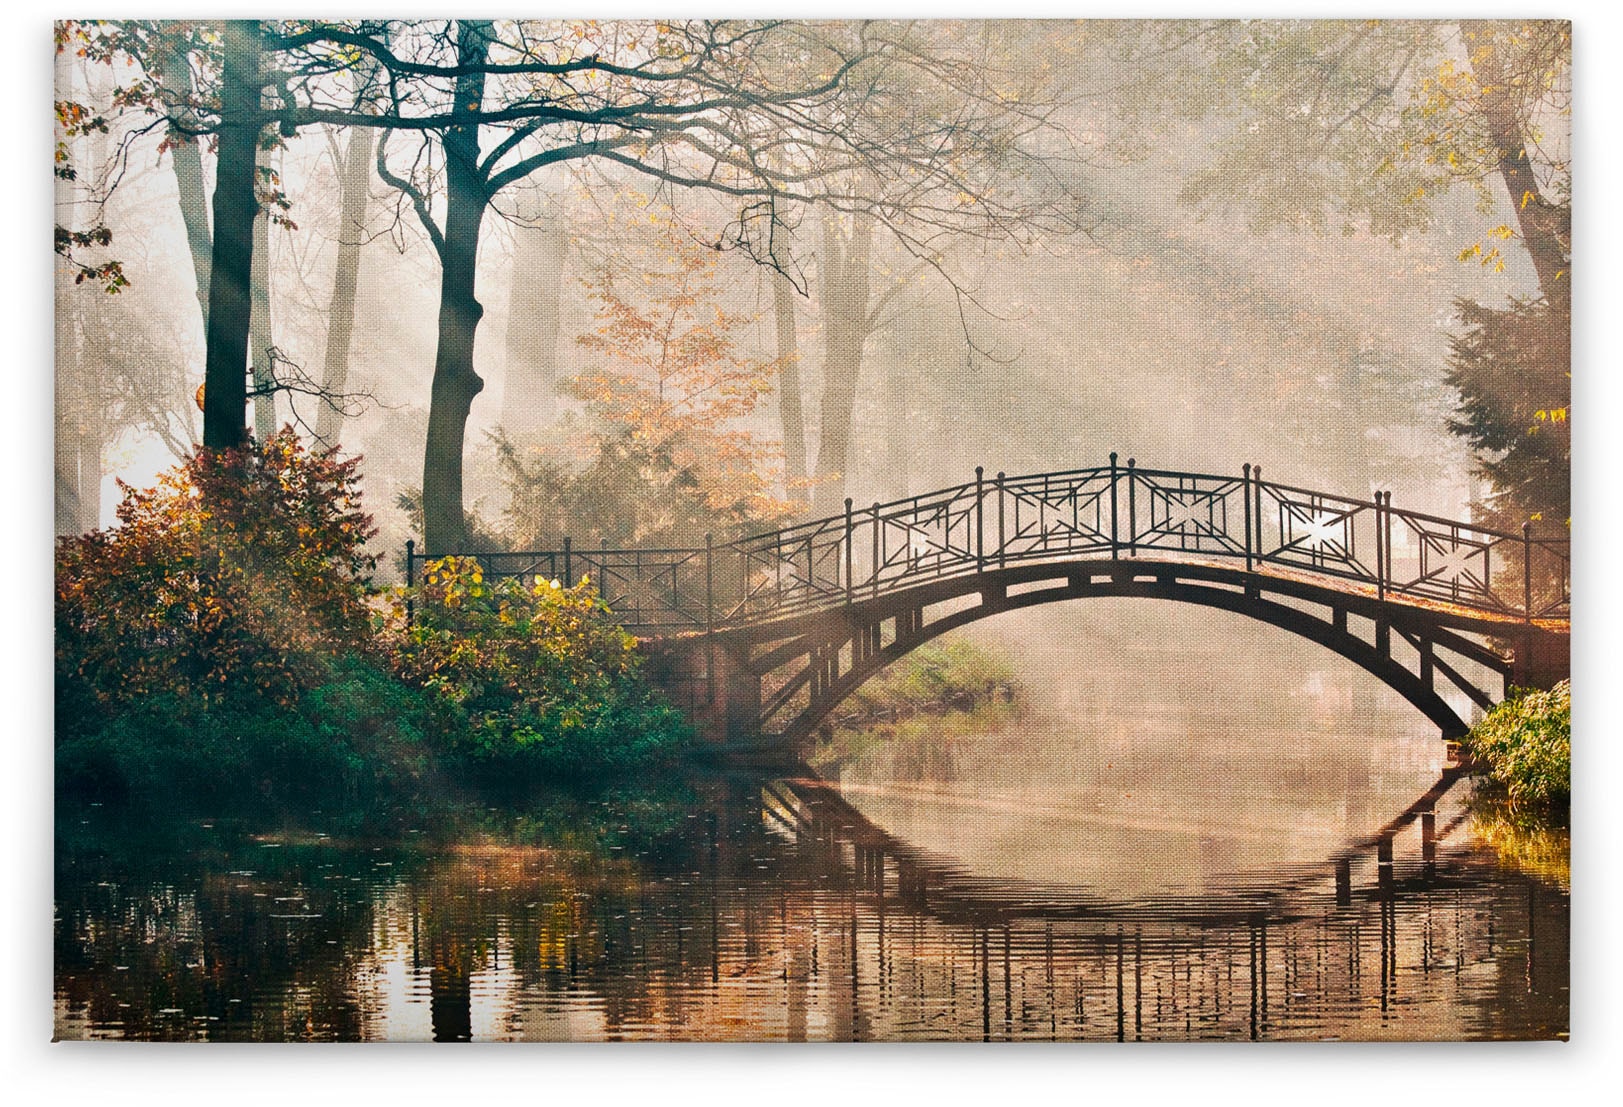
(1487, 621)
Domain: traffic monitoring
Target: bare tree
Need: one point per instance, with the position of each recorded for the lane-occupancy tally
(762, 113)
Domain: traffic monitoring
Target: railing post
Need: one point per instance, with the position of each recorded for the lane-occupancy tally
(1527, 571)
(1132, 509)
(1245, 496)
(980, 519)
(1380, 550)
(848, 557)
(1386, 540)
(874, 572)
(1256, 490)
(1002, 540)
(411, 580)
(1115, 542)
(569, 562)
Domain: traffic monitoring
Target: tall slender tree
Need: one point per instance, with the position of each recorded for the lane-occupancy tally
(225, 388)
(530, 390)
(757, 112)
(354, 186)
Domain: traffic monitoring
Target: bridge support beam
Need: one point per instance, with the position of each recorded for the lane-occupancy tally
(712, 685)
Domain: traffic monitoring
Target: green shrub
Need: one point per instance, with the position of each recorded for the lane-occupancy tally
(353, 739)
(222, 648)
(530, 676)
(946, 672)
(1526, 743)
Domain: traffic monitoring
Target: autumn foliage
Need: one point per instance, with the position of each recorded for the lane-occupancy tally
(529, 674)
(225, 641)
(243, 573)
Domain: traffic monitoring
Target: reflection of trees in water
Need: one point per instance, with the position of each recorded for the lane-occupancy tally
(729, 929)
(272, 950)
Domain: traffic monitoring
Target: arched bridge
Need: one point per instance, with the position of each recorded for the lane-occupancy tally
(762, 637)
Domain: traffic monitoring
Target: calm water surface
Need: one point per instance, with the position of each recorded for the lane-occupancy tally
(1102, 867)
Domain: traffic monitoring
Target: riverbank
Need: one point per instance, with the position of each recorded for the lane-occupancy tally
(224, 648)
(945, 688)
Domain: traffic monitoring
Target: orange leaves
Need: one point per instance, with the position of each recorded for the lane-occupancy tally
(672, 387)
(235, 576)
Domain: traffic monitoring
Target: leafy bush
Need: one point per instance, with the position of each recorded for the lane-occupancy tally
(212, 647)
(354, 738)
(948, 672)
(1526, 743)
(223, 647)
(241, 576)
(534, 677)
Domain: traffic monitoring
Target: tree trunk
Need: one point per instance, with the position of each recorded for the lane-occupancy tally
(81, 416)
(260, 341)
(186, 157)
(898, 399)
(529, 400)
(455, 382)
(79, 424)
(790, 411)
(346, 274)
(1545, 227)
(845, 273)
(225, 375)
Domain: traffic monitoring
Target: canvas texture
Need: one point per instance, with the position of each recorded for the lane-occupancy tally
(812, 531)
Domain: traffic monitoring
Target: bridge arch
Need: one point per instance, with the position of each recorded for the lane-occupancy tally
(765, 634)
(782, 680)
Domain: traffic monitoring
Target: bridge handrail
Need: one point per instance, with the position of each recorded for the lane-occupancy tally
(964, 528)
(1406, 512)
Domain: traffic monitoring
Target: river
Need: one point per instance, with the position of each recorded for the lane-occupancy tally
(1231, 838)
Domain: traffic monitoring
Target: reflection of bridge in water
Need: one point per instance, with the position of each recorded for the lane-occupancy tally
(728, 927)
(816, 812)
(1262, 957)
(762, 637)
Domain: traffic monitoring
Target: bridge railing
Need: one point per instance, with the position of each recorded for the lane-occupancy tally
(1066, 514)
(784, 571)
(1442, 559)
(1119, 511)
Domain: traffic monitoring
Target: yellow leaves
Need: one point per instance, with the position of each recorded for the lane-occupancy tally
(1489, 257)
